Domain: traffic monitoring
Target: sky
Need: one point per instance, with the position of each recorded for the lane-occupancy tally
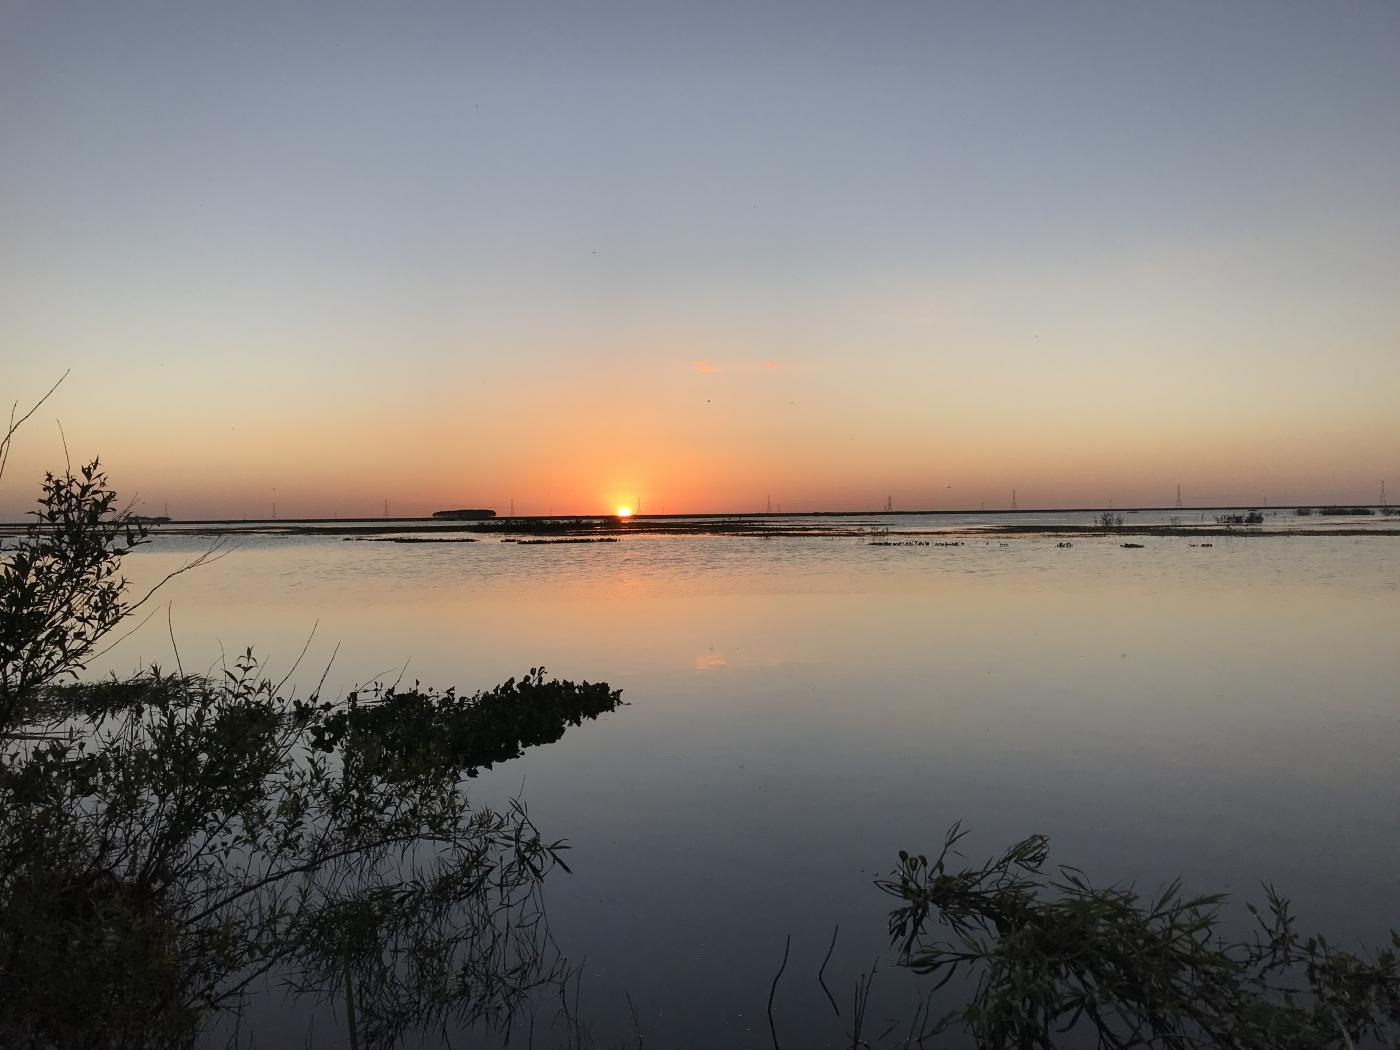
(328, 255)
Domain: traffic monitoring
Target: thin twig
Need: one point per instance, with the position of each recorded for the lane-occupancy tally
(350, 1003)
(15, 424)
(636, 1022)
(773, 1028)
(832, 947)
(300, 656)
(170, 626)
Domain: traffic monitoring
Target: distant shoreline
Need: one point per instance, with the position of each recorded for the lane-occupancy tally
(761, 526)
(438, 523)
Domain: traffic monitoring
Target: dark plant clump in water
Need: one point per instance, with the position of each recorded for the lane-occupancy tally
(1252, 517)
(463, 515)
(543, 526)
(1054, 956)
(169, 840)
(396, 735)
(574, 539)
(411, 539)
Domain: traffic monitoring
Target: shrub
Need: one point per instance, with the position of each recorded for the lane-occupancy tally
(1054, 955)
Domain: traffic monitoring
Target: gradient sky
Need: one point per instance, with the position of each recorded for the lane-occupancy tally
(454, 254)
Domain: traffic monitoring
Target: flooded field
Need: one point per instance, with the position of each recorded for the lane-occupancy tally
(801, 708)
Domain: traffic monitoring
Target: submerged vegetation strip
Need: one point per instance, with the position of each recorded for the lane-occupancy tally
(573, 539)
(409, 539)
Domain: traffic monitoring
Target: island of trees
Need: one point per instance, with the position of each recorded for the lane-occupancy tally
(464, 515)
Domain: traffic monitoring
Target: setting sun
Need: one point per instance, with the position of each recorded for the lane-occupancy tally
(624, 512)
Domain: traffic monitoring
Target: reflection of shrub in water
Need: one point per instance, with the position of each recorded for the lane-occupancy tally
(184, 837)
(168, 840)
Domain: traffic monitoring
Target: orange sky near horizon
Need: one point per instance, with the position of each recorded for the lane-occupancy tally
(682, 436)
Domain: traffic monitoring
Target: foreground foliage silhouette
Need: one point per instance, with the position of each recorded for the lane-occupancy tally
(168, 840)
(1056, 959)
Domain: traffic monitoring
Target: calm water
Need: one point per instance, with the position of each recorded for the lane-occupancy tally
(802, 708)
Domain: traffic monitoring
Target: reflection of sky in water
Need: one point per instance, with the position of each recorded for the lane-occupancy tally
(800, 709)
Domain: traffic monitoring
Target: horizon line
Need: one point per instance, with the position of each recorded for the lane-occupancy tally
(877, 512)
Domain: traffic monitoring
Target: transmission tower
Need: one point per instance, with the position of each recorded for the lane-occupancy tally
(889, 504)
(1013, 499)
(1383, 502)
(1178, 497)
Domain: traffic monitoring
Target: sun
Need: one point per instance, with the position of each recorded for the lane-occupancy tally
(624, 512)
